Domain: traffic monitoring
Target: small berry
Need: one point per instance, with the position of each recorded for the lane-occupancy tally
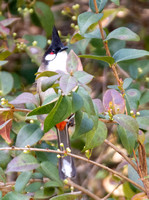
(76, 27)
(14, 34)
(31, 121)
(65, 181)
(3, 102)
(147, 79)
(68, 150)
(19, 9)
(140, 70)
(49, 42)
(25, 10)
(137, 113)
(61, 145)
(31, 10)
(74, 18)
(58, 150)
(131, 112)
(67, 40)
(58, 156)
(63, 12)
(72, 25)
(3, 99)
(77, 6)
(34, 43)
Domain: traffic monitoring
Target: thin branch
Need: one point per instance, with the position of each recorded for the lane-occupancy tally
(107, 121)
(15, 110)
(121, 153)
(109, 194)
(82, 189)
(75, 156)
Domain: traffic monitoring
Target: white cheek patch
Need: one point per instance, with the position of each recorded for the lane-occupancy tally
(50, 57)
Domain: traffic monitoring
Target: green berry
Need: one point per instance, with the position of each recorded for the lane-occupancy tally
(34, 43)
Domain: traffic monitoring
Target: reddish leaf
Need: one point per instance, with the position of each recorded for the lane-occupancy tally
(4, 30)
(112, 100)
(7, 22)
(73, 63)
(99, 105)
(23, 98)
(5, 126)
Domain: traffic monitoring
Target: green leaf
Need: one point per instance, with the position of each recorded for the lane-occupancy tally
(4, 155)
(94, 34)
(6, 82)
(23, 162)
(3, 62)
(127, 82)
(123, 33)
(86, 19)
(128, 123)
(60, 112)
(145, 97)
(77, 102)
(4, 55)
(117, 2)
(143, 122)
(28, 135)
(41, 40)
(96, 139)
(106, 59)
(88, 106)
(83, 77)
(45, 73)
(127, 139)
(45, 109)
(100, 4)
(15, 196)
(33, 187)
(67, 83)
(128, 54)
(2, 175)
(83, 124)
(22, 180)
(49, 82)
(67, 196)
(51, 171)
(133, 98)
(50, 187)
(75, 38)
(45, 16)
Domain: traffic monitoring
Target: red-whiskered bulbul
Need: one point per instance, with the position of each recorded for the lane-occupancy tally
(54, 59)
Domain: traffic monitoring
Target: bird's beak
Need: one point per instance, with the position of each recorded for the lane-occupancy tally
(63, 48)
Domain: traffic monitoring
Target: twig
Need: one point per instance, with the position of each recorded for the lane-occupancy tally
(85, 191)
(107, 49)
(107, 121)
(15, 110)
(121, 153)
(75, 156)
(109, 194)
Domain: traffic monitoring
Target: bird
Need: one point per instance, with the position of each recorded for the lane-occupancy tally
(54, 59)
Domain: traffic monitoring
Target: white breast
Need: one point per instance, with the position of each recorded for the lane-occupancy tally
(59, 63)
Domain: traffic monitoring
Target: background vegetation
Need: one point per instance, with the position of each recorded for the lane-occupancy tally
(111, 138)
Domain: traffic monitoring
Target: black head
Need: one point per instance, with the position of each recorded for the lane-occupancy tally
(56, 45)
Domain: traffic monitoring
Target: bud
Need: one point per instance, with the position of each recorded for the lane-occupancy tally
(67, 40)
(58, 156)
(31, 10)
(31, 121)
(65, 181)
(58, 150)
(63, 12)
(68, 150)
(76, 27)
(49, 42)
(61, 145)
(72, 188)
(25, 10)
(131, 112)
(147, 79)
(74, 18)
(137, 113)
(19, 9)
(34, 43)
(77, 6)
(14, 34)
(140, 70)
(72, 25)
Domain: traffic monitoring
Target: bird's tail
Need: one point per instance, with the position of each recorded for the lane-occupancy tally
(66, 163)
